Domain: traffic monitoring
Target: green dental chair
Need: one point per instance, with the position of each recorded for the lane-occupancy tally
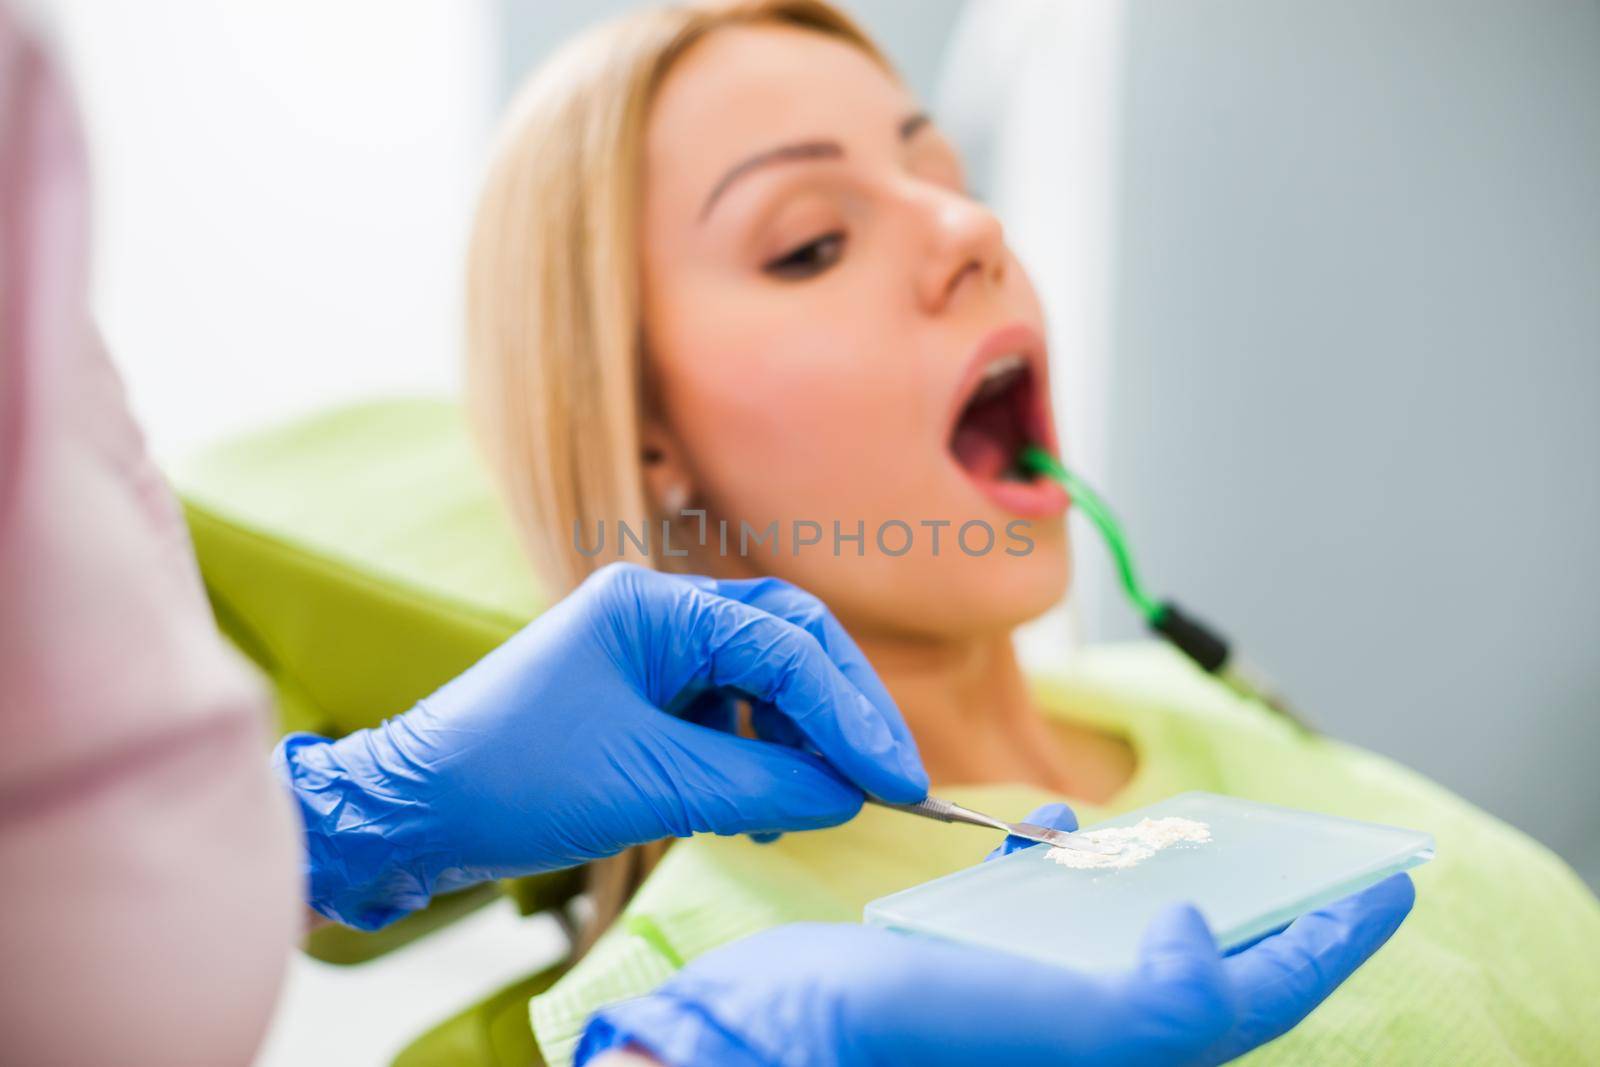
(361, 559)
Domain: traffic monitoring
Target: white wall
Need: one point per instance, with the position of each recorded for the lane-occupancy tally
(281, 194)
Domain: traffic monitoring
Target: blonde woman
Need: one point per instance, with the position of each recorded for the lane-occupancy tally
(726, 277)
(134, 766)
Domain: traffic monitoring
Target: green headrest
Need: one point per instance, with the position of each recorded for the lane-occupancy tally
(360, 557)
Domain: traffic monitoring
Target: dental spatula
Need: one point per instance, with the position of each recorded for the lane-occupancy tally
(944, 811)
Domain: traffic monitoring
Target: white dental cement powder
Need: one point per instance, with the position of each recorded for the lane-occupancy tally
(1134, 844)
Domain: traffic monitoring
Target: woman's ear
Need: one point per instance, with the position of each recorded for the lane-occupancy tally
(666, 474)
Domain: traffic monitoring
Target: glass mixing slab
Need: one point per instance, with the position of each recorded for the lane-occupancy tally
(1263, 866)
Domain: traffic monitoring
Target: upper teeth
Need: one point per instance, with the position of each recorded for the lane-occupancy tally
(1002, 366)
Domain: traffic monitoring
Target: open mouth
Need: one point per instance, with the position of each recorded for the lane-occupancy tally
(1005, 412)
(997, 422)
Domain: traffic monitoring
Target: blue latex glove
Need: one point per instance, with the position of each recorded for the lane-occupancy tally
(840, 996)
(599, 726)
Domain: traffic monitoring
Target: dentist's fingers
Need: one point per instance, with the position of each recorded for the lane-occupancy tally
(1183, 1004)
(713, 709)
(1278, 981)
(710, 781)
(739, 646)
(810, 614)
(770, 724)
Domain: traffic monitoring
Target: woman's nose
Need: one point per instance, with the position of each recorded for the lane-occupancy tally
(965, 247)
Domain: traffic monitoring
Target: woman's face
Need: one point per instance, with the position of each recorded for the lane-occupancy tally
(837, 333)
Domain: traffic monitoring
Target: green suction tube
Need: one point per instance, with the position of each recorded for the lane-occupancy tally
(1207, 647)
(1088, 501)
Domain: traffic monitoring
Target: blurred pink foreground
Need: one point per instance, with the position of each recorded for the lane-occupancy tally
(149, 861)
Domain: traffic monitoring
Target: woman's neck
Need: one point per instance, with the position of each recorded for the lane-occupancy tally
(975, 720)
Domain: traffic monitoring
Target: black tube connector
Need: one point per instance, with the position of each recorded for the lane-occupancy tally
(1192, 637)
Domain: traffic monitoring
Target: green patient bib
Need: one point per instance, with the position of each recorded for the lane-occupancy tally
(1499, 963)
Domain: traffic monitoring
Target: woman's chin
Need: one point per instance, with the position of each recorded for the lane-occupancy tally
(978, 596)
(1018, 594)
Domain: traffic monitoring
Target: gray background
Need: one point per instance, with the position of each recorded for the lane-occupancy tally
(1356, 360)
(1357, 369)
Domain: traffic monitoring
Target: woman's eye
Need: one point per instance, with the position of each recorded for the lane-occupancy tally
(810, 259)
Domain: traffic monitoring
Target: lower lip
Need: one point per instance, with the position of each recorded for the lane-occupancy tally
(1038, 499)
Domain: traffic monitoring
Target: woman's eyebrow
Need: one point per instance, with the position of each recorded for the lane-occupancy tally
(803, 150)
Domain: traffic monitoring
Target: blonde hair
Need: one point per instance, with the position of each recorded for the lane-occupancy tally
(556, 381)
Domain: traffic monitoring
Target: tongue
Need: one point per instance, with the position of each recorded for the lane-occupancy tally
(987, 439)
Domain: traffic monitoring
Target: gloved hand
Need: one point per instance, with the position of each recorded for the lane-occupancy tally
(599, 726)
(837, 996)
